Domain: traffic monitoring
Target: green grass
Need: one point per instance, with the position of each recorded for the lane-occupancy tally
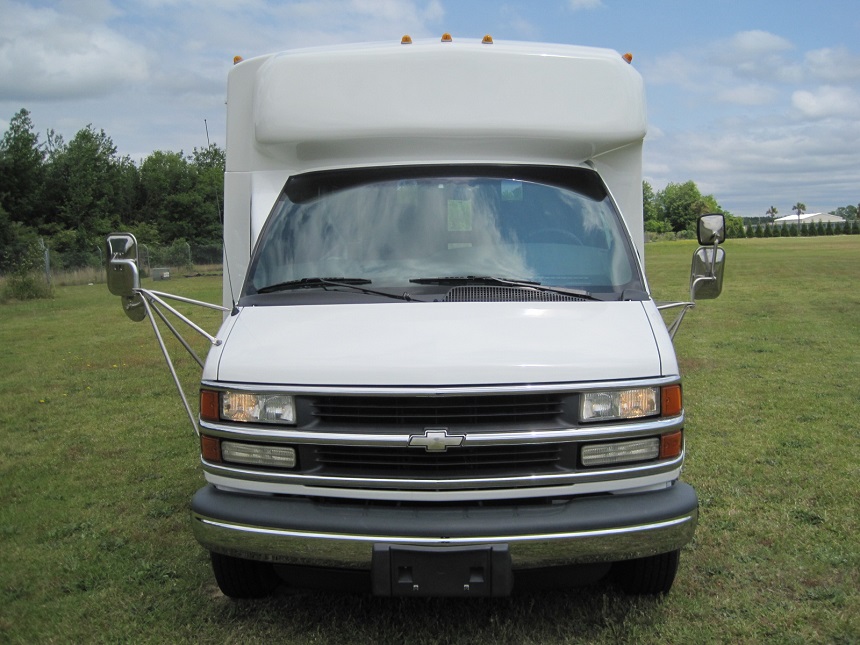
(99, 463)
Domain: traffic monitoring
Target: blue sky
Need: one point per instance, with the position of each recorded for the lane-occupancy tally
(757, 101)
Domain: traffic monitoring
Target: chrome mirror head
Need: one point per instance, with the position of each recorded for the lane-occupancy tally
(123, 276)
(706, 273)
(711, 229)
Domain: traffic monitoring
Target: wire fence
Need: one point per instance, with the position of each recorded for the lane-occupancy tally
(179, 254)
(77, 267)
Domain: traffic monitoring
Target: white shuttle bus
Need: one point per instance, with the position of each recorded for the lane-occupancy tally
(440, 367)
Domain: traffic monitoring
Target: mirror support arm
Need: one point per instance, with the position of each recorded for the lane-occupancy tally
(178, 336)
(685, 307)
(153, 296)
(166, 354)
(150, 301)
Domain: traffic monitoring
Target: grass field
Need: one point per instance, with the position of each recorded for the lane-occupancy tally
(98, 464)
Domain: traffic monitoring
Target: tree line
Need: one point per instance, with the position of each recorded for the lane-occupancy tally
(849, 213)
(675, 209)
(71, 194)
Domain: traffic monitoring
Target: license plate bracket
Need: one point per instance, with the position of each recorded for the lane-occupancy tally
(468, 571)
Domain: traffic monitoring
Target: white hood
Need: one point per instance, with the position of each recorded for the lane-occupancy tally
(437, 344)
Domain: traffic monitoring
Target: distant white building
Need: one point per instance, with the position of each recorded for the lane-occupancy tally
(809, 218)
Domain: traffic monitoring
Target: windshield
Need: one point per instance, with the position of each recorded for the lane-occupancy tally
(403, 227)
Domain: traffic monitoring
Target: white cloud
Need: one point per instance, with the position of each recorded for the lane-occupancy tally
(747, 44)
(749, 94)
(755, 164)
(47, 54)
(827, 101)
(738, 70)
(832, 65)
(782, 140)
(149, 72)
(672, 69)
(301, 24)
(655, 133)
(758, 55)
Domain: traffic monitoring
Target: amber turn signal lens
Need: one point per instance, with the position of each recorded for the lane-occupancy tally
(671, 404)
(210, 405)
(671, 444)
(210, 448)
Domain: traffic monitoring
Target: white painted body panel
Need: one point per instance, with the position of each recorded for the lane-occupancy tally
(426, 103)
(440, 344)
(585, 99)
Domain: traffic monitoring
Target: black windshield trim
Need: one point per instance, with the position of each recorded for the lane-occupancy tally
(309, 186)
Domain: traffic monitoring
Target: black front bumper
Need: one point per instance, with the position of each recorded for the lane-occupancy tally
(342, 533)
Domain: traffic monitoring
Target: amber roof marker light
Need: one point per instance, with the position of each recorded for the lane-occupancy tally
(406, 40)
(628, 57)
(446, 38)
(487, 40)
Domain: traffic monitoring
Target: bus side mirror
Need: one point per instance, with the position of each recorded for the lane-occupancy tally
(709, 260)
(123, 275)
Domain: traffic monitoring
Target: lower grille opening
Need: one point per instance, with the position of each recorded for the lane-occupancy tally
(510, 460)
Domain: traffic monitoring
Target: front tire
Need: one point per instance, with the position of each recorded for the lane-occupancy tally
(239, 578)
(651, 576)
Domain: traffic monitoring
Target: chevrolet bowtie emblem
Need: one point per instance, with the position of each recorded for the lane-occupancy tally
(436, 440)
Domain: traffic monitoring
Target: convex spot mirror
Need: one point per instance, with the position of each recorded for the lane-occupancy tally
(711, 229)
(123, 276)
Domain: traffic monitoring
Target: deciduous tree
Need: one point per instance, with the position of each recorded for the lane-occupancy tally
(21, 169)
(87, 185)
(681, 205)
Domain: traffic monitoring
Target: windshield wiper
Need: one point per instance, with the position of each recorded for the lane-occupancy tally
(312, 283)
(505, 282)
(343, 283)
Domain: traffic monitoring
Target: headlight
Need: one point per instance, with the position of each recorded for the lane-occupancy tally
(620, 404)
(258, 408)
(245, 407)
